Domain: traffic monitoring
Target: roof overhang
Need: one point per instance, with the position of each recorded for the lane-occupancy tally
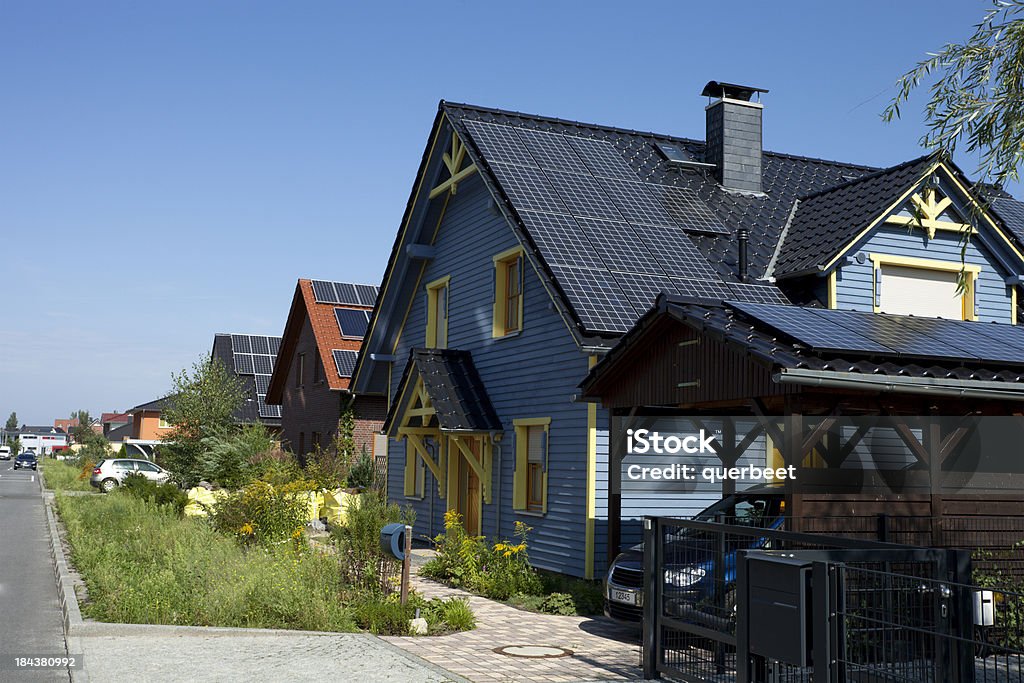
(928, 386)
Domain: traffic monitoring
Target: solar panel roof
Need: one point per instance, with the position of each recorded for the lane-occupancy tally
(345, 362)
(894, 335)
(344, 293)
(352, 323)
(254, 356)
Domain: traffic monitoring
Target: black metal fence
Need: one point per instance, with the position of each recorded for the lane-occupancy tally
(742, 603)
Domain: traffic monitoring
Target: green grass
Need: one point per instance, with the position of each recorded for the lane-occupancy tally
(61, 476)
(145, 565)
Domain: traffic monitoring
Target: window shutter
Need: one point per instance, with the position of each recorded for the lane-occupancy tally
(544, 484)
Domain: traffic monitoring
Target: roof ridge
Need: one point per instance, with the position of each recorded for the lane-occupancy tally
(650, 134)
(878, 173)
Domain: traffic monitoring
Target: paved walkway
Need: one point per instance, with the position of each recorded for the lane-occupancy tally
(602, 649)
(184, 655)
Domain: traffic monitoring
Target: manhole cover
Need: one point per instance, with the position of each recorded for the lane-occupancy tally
(533, 651)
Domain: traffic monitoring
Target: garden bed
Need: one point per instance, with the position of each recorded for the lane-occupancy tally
(145, 563)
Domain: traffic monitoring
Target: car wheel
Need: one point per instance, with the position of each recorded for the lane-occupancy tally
(108, 485)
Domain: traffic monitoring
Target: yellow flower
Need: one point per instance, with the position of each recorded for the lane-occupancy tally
(246, 529)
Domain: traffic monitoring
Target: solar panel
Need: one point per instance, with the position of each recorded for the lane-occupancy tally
(584, 195)
(619, 247)
(344, 293)
(757, 293)
(704, 289)
(366, 294)
(345, 361)
(561, 240)
(528, 188)
(601, 158)
(642, 290)
(686, 209)
(802, 325)
(260, 344)
(243, 363)
(499, 143)
(676, 252)
(596, 298)
(638, 204)
(971, 337)
(240, 343)
(275, 345)
(1009, 337)
(323, 292)
(351, 323)
(267, 410)
(263, 364)
(889, 331)
(551, 151)
(262, 384)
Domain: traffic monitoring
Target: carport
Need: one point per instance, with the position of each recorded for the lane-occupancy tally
(817, 406)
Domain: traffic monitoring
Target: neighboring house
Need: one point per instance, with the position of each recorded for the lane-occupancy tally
(65, 425)
(250, 358)
(148, 422)
(325, 329)
(111, 422)
(42, 439)
(500, 296)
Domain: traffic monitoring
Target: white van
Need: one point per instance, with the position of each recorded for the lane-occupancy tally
(5, 452)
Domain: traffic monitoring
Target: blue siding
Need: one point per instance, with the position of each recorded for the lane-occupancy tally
(533, 374)
(854, 281)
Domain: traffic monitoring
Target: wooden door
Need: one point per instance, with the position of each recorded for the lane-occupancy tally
(469, 491)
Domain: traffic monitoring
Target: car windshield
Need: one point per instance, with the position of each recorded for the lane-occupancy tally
(745, 509)
(27, 456)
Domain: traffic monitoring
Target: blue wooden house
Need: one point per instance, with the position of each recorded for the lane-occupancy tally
(531, 245)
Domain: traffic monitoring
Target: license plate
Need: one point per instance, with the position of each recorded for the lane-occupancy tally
(624, 596)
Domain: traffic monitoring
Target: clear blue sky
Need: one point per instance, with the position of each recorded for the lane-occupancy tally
(169, 169)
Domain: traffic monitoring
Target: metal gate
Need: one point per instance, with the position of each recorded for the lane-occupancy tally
(737, 602)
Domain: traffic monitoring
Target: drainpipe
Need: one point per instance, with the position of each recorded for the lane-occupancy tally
(742, 238)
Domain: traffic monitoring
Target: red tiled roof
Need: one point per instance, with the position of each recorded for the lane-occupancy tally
(325, 330)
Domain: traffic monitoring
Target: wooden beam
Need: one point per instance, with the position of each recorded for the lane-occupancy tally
(417, 443)
(453, 181)
(419, 431)
(772, 429)
(482, 471)
(817, 433)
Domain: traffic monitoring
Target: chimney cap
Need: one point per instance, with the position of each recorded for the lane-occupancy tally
(731, 90)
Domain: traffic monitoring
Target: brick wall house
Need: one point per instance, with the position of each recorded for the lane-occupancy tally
(323, 335)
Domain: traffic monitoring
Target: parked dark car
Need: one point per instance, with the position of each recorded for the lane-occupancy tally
(25, 461)
(690, 558)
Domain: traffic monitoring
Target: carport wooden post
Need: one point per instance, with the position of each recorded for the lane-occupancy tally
(406, 561)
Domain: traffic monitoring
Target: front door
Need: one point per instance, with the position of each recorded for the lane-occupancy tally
(469, 488)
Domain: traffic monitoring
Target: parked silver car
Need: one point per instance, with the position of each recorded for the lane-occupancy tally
(109, 474)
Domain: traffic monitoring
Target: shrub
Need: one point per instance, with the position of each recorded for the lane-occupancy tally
(276, 467)
(158, 494)
(383, 614)
(456, 614)
(499, 571)
(261, 513)
(227, 459)
(363, 473)
(363, 563)
(558, 603)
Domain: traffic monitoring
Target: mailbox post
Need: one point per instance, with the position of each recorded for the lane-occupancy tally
(406, 561)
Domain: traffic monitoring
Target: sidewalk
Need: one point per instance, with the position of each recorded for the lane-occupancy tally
(601, 649)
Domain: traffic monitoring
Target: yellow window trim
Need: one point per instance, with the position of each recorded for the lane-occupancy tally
(519, 484)
(1013, 304)
(832, 291)
(971, 269)
(588, 554)
(433, 288)
(501, 288)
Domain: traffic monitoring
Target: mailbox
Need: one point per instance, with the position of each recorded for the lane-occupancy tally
(392, 540)
(779, 595)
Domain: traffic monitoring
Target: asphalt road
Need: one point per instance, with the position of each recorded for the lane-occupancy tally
(30, 618)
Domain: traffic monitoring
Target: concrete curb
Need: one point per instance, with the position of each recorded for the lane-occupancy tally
(76, 628)
(65, 584)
